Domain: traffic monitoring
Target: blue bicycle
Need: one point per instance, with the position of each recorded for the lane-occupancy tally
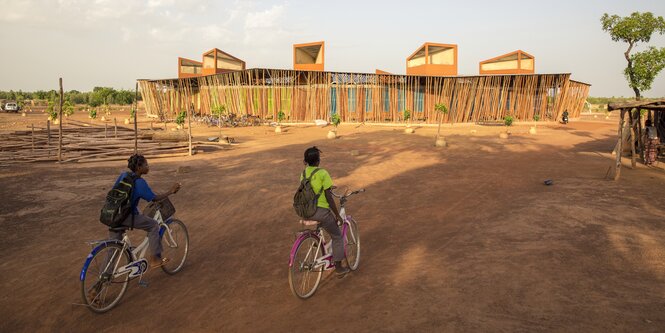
(113, 263)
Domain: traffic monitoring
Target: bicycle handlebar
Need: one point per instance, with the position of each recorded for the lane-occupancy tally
(344, 196)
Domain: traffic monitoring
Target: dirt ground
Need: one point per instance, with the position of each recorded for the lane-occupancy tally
(466, 238)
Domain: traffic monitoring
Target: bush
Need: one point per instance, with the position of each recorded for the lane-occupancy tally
(440, 107)
(335, 119)
(218, 110)
(92, 113)
(536, 117)
(407, 115)
(180, 119)
(67, 109)
(508, 120)
(281, 116)
(51, 111)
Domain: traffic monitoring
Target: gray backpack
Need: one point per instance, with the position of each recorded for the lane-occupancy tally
(305, 200)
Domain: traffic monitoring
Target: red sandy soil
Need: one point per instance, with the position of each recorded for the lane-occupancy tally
(465, 238)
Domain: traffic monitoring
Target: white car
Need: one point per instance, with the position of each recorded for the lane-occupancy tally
(11, 107)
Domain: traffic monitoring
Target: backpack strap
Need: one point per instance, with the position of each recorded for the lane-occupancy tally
(312, 174)
(134, 178)
(310, 180)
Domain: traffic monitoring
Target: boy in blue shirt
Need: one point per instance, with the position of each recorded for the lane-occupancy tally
(139, 166)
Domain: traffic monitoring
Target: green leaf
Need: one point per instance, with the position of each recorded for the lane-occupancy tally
(440, 107)
(218, 110)
(335, 120)
(646, 66)
(638, 27)
(67, 108)
(180, 119)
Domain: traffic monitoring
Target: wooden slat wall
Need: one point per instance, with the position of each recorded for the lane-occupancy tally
(304, 96)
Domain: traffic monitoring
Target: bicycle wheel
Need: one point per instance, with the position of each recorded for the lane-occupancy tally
(175, 246)
(304, 278)
(352, 245)
(101, 290)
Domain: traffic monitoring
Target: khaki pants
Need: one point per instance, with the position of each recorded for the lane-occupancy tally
(144, 223)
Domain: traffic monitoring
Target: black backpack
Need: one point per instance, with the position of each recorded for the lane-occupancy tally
(118, 203)
(305, 200)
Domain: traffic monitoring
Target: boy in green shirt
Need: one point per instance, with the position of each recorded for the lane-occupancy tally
(326, 213)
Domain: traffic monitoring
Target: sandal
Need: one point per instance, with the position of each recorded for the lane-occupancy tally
(158, 262)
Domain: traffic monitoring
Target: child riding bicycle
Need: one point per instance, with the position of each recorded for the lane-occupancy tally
(326, 213)
(138, 165)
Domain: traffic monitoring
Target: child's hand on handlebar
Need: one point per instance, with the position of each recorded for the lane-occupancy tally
(175, 188)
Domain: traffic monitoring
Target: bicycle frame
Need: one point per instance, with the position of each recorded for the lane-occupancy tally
(325, 260)
(139, 264)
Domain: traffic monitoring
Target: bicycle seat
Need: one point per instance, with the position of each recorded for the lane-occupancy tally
(120, 228)
(309, 223)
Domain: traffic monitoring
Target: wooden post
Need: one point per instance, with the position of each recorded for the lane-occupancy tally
(189, 121)
(633, 164)
(60, 123)
(617, 165)
(640, 134)
(33, 137)
(105, 130)
(136, 133)
(48, 132)
(219, 123)
(115, 127)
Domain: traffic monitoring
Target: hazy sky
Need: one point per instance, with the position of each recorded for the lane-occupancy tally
(113, 42)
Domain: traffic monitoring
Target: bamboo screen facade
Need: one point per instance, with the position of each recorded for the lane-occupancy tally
(304, 96)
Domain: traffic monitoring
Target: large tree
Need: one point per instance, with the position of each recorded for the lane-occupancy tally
(643, 67)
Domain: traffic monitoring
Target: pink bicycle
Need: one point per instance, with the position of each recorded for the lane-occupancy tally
(311, 254)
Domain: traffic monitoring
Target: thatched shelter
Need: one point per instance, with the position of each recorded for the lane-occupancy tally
(635, 126)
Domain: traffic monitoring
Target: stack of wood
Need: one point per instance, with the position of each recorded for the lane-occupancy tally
(82, 142)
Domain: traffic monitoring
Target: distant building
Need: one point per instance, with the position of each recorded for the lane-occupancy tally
(189, 68)
(432, 59)
(508, 86)
(309, 56)
(516, 62)
(214, 61)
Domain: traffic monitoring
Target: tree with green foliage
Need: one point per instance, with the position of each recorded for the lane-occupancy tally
(67, 108)
(335, 120)
(51, 110)
(122, 97)
(101, 96)
(644, 66)
(280, 117)
(407, 116)
(76, 97)
(180, 119)
(218, 110)
(442, 110)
